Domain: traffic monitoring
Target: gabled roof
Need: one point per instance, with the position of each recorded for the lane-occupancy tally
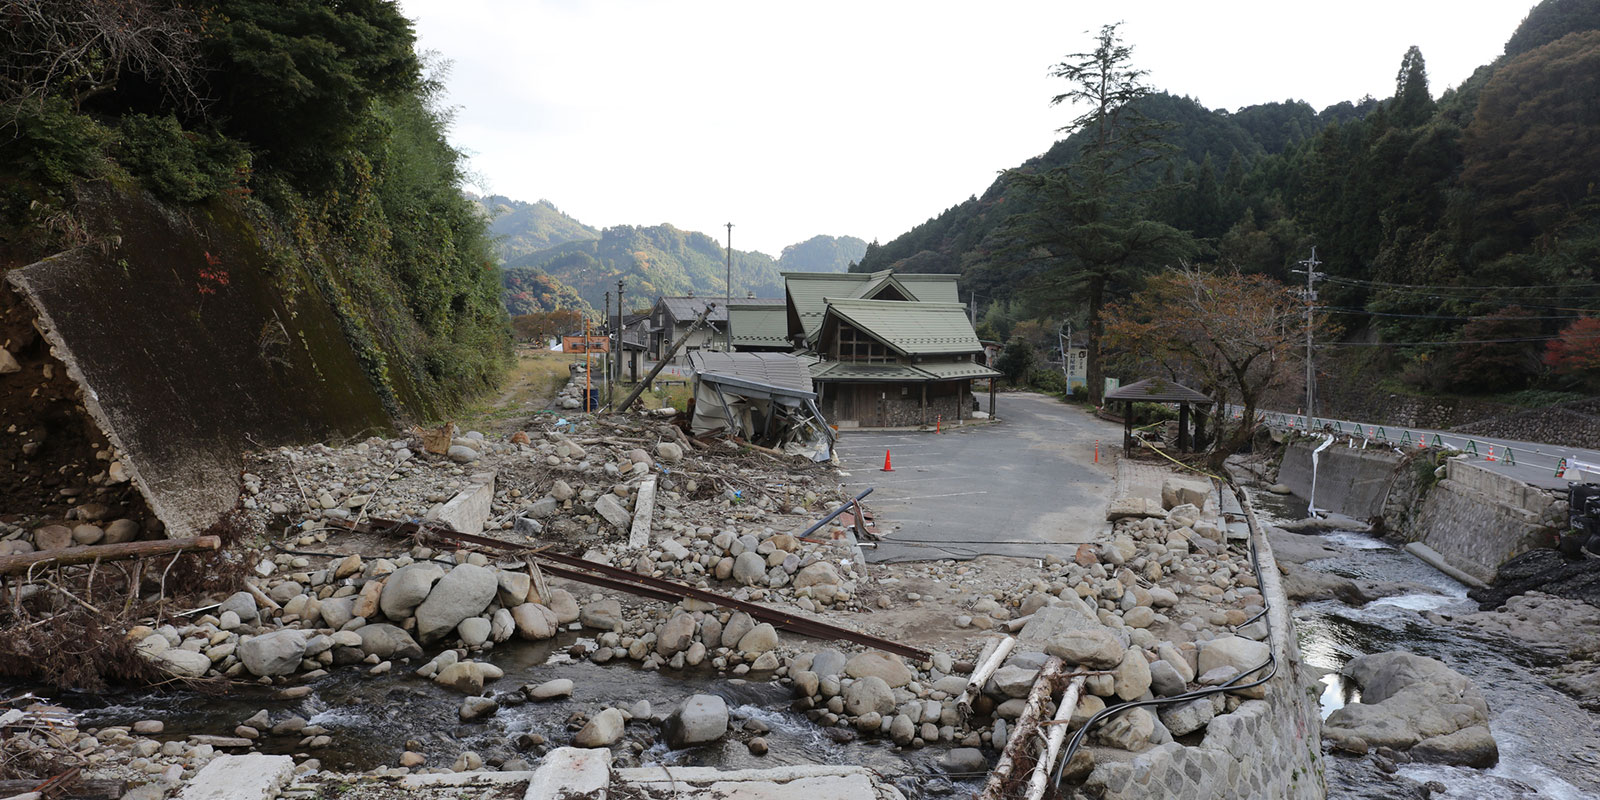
(807, 292)
(1159, 390)
(909, 328)
(684, 309)
(758, 325)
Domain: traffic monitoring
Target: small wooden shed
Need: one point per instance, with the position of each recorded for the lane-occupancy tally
(1159, 390)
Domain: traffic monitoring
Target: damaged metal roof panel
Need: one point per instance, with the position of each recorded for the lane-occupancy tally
(775, 373)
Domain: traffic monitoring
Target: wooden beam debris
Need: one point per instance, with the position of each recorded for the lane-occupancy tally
(1027, 727)
(1053, 741)
(994, 654)
(22, 563)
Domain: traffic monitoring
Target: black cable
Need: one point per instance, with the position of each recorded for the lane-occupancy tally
(1271, 664)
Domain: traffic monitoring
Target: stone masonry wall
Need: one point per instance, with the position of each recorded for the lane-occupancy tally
(1478, 519)
(1267, 749)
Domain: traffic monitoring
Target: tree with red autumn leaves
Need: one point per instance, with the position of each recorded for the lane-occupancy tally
(1577, 351)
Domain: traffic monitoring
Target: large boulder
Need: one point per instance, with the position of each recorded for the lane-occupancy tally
(674, 635)
(276, 653)
(1178, 491)
(702, 718)
(1243, 655)
(603, 614)
(1132, 675)
(749, 568)
(813, 574)
(760, 639)
(534, 621)
(243, 604)
(406, 588)
(181, 663)
(889, 668)
(1469, 747)
(463, 592)
(386, 641)
(1407, 699)
(1094, 648)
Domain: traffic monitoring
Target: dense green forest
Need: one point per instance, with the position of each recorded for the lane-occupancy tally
(316, 121)
(1460, 234)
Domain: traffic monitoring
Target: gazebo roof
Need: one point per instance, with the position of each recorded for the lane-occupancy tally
(1159, 390)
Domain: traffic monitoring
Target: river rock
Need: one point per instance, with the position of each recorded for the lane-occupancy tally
(828, 663)
(1239, 653)
(1094, 648)
(1469, 747)
(242, 604)
(474, 631)
(475, 707)
(1014, 681)
(759, 640)
(1411, 699)
(964, 760)
(550, 690)
(870, 693)
(181, 663)
(669, 452)
(386, 641)
(463, 592)
(534, 621)
(750, 568)
(462, 676)
(814, 574)
(738, 625)
(702, 718)
(563, 605)
(889, 668)
(1165, 680)
(674, 635)
(406, 588)
(336, 611)
(276, 653)
(52, 537)
(1132, 675)
(902, 730)
(603, 730)
(604, 614)
(512, 588)
(122, 530)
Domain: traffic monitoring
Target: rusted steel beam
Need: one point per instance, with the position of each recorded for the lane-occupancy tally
(594, 573)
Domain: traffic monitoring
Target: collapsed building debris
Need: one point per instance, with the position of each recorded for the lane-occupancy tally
(766, 398)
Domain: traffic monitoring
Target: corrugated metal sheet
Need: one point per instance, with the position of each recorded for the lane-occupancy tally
(772, 369)
(911, 328)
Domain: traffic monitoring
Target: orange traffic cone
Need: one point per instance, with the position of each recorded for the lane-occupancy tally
(1491, 454)
(887, 465)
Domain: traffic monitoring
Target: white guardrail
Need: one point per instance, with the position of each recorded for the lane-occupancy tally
(1559, 462)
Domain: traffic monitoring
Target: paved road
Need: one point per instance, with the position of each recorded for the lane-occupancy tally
(983, 489)
(1531, 462)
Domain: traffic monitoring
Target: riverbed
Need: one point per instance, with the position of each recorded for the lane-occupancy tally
(1549, 746)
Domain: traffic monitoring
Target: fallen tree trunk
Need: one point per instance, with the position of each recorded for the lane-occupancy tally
(1053, 741)
(66, 557)
(986, 667)
(1026, 728)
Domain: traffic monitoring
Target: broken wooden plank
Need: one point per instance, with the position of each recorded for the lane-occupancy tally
(643, 508)
(21, 563)
(981, 675)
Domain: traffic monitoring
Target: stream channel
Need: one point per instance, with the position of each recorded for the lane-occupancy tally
(1549, 747)
(371, 718)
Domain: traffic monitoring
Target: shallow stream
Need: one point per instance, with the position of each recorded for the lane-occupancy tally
(1549, 747)
(371, 718)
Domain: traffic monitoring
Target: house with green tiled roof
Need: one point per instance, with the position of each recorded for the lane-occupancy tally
(886, 349)
(759, 327)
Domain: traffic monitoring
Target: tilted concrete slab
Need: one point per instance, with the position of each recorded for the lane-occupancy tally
(469, 509)
(191, 344)
(805, 782)
(249, 777)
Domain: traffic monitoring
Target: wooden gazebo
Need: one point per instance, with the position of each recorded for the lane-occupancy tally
(1158, 390)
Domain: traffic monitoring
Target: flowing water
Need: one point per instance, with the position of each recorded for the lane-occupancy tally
(1548, 743)
(371, 718)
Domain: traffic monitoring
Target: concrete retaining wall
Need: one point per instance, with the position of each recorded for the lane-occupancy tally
(1349, 481)
(1477, 519)
(1268, 749)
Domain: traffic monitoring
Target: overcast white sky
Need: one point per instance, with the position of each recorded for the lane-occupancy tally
(865, 118)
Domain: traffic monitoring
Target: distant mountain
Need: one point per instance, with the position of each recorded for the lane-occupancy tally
(520, 228)
(822, 254)
(580, 263)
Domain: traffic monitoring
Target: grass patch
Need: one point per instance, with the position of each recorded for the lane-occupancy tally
(529, 386)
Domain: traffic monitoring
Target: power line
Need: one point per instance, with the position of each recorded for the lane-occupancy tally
(1362, 311)
(1580, 337)
(1441, 295)
(1464, 287)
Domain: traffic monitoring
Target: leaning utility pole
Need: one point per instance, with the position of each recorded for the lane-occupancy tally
(1312, 276)
(656, 370)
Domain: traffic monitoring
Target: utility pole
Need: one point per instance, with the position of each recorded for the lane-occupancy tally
(606, 360)
(617, 349)
(728, 295)
(1312, 276)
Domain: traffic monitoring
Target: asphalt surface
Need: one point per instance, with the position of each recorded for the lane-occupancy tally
(1024, 486)
(1532, 463)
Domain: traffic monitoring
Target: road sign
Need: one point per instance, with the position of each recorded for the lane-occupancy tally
(585, 344)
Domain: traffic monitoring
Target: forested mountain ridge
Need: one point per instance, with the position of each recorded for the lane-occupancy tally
(520, 228)
(1458, 233)
(651, 260)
